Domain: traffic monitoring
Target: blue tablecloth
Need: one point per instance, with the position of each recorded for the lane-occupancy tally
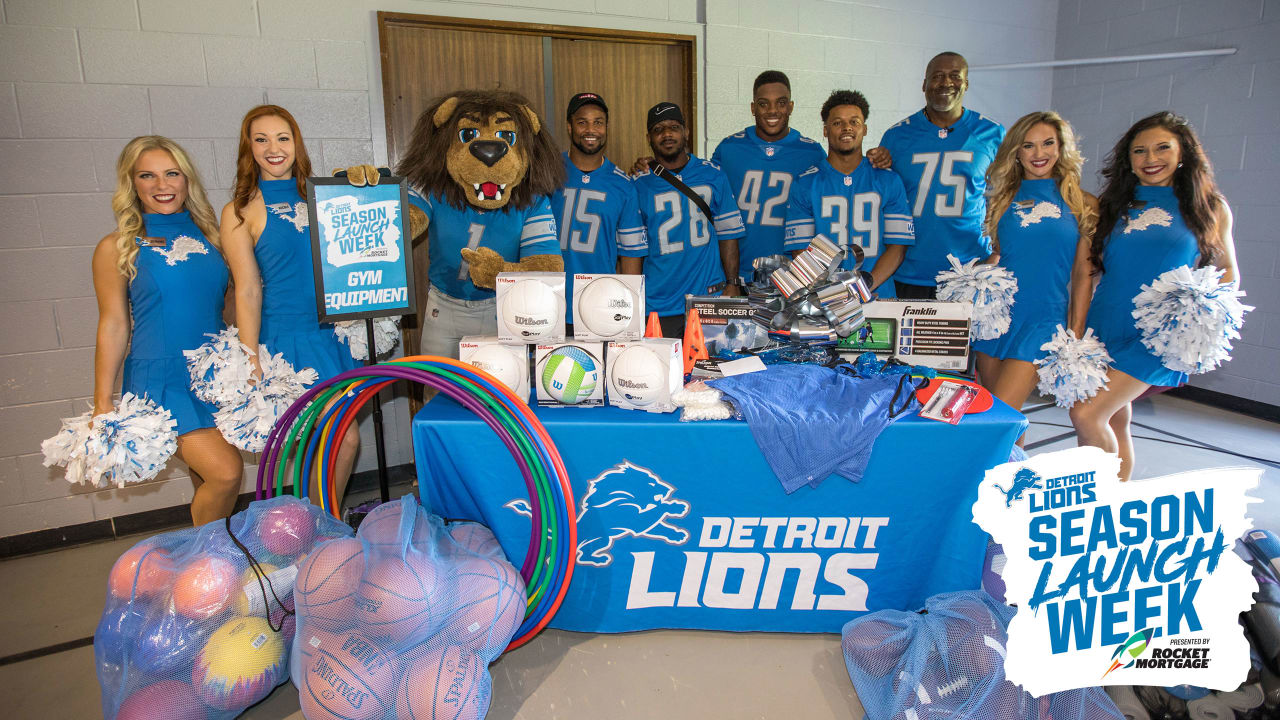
(683, 525)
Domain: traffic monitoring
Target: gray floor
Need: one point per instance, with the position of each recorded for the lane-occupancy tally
(57, 597)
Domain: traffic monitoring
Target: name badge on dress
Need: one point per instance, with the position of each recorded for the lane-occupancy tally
(1024, 204)
(152, 242)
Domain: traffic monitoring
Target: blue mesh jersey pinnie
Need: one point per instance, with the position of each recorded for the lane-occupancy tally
(944, 171)
(762, 175)
(598, 216)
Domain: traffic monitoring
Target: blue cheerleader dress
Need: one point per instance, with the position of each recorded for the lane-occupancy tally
(290, 322)
(175, 299)
(1038, 237)
(1150, 240)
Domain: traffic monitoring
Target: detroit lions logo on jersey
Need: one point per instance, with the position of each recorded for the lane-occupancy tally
(300, 217)
(1148, 218)
(1041, 211)
(183, 247)
(625, 500)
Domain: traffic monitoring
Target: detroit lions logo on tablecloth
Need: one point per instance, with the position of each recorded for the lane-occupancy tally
(183, 246)
(300, 217)
(1041, 211)
(625, 500)
(1149, 217)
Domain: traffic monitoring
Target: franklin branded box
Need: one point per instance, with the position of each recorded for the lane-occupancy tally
(644, 374)
(569, 374)
(932, 333)
(530, 307)
(608, 307)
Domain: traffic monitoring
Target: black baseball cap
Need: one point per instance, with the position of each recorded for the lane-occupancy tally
(664, 111)
(585, 98)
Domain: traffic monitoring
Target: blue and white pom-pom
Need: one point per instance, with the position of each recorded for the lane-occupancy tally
(386, 333)
(247, 420)
(989, 287)
(1075, 369)
(1188, 318)
(130, 444)
(221, 369)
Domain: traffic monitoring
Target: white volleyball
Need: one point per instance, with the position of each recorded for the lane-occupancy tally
(606, 306)
(508, 364)
(530, 310)
(638, 376)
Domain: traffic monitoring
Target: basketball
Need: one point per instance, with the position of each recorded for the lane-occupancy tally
(345, 676)
(243, 660)
(287, 529)
(205, 587)
(394, 599)
(605, 306)
(491, 606)
(638, 376)
(169, 644)
(507, 364)
(476, 538)
(530, 310)
(448, 684)
(382, 526)
(165, 700)
(153, 577)
(325, 589)
(570, 374)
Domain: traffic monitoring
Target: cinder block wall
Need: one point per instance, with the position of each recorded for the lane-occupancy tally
(1233, 101)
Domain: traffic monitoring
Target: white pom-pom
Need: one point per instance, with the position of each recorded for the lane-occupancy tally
(130, 444)
(247, 421)
(1188, 319)
(701, 402)
(386, 333)
(1075, 369)
(989, 287)
(69, 449)
(221, 369)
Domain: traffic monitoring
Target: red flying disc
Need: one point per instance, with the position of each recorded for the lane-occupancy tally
(981, 403)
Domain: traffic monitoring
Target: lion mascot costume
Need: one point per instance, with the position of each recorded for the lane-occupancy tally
(482, 167)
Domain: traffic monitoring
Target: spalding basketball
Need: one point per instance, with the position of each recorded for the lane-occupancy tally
(165, 700)
(326, 585)
(489, 606)
(570, 374)
(382, 525)
(395, 598)
(243, 660)
(476, 538)
(502, 362)
(606, 306)
(451, 683)
(530, 309)
(638, 376)
(145, 568)
(205, 587)
(345, 676)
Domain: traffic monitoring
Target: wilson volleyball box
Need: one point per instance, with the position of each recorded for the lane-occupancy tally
(933, 333)
(508, 362)
(644, 374)
(530, 307)
(608, 307)
(569, 374)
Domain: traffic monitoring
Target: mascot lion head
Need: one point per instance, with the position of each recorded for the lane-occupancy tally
(494, 148)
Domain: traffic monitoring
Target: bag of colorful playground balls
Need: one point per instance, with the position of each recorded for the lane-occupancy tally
(403, 620)
(195, 628)
(948, 662)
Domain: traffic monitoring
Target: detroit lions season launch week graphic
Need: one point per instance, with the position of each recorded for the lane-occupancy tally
(1120, 583)
(359, 234)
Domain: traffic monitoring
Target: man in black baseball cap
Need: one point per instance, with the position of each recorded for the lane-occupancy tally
(577, 102)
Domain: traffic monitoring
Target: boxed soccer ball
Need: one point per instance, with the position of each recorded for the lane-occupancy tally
(530, 307)
(608, 307)
(643, 374)
(569, 373)
(933, 333)
(726, 323)
(506, 361)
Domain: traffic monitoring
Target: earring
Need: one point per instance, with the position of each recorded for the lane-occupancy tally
(1179, 166)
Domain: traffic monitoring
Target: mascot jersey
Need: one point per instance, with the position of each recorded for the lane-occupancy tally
(944, 172)
(175, 299)
(513, 234)
(290, 322)
(599, 219)
(867, 207)
(682, 258)
(1149, 240)
(1038, 237)
(762, 175)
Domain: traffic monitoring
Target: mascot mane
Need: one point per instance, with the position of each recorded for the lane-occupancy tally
(425, 165)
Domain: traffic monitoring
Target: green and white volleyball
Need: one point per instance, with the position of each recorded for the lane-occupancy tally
(570, 375)
(637, 375)
(502, 363)
(606, 306)
(529, 310)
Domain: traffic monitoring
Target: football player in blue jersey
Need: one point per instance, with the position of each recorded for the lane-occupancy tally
(942, 154)
(846, 199)
(596, 211)
(762, 163)
(686, 203)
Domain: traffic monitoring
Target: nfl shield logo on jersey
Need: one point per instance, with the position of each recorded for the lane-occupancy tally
(770, 150)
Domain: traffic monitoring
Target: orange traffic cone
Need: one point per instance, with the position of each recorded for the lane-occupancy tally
(695, 346)
(653, 329)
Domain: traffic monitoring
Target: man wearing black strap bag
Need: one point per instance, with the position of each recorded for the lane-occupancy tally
(687, 204)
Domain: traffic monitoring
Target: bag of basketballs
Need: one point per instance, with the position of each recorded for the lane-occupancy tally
(199, 622)
(948, 662)
(403, 620)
